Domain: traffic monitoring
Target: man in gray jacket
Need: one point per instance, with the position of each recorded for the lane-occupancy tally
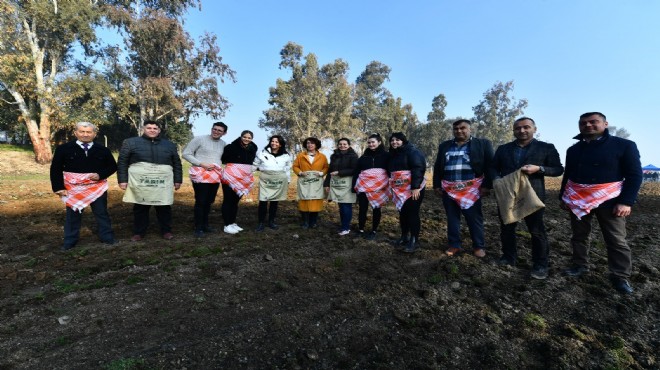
(149, 169)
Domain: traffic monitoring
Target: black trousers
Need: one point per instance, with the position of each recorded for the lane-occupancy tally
(141, 218)
(229, 205)
(264, 209)
(363, 204)
(409, 216)
(205, 194)
(536, 228)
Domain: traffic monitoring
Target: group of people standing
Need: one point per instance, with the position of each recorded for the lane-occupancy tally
(602, 177)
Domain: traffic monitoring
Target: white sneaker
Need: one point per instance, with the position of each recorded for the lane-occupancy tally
(238, 228)
(344, 232)
(230, 230)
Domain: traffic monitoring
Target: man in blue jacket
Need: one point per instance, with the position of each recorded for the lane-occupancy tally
(603, 176)
(536, 159)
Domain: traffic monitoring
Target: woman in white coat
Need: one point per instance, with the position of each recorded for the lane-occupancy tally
(275, 165)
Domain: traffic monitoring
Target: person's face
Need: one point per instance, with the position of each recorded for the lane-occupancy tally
(524, 130)
(373, 143)
(310, 145)
(85, 134)
(343, 145)
(151, 131)
(592, 126)
(396, 142)
(462, 132)
(246, 139)
(217, 132)
(275, 145)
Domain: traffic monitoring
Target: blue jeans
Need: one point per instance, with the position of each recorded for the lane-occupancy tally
(74, 220)
(345, 215)
(473, 218)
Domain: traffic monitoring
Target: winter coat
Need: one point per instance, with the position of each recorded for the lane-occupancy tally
(143, 149)
(344, 163)
(236, 153)
(408, 157)
(267, 161)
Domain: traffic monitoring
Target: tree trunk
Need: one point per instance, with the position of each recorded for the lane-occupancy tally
(40, 138)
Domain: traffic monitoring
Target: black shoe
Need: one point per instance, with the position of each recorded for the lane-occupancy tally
(576, 271)
(370, 236)
(208, 229)
(539, 273)
(305, 226)
(273, 225)
(260, 227)
(621, 285)
(503, 261)
(199, 234)
(412, 246)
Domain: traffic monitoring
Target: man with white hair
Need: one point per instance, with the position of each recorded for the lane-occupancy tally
(78, 174)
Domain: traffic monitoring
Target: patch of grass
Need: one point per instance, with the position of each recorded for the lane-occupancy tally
(452, 269)
(134, 279)
(619, 355)
(125, 364)
(16, 148)
(127, 262)
(533, 320)
(435, 279)
(338, 262)
(31, 262)
(199, 252)
(63, 340)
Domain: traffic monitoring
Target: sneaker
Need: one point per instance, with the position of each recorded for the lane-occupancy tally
(238, 228)
(621, 285)
(479, 253)
(136, 238)
(412, 246)
(273, 226)
(199, 234)
(260, 227)
(370, 236)
(539, 273)
(168, 236)
(230, 230)
(503, 261)
(344, 232)
(576, 271)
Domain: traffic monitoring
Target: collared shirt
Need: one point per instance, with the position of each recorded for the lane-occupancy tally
(519, 153)
(457, 164)
(89, 145)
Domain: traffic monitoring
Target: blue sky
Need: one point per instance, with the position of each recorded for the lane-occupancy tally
(566, 57)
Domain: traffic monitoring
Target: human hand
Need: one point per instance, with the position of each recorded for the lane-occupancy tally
(207, 166)
(621, 210)
(62, 193)
(529, 169)
(94, 177)
(327, 189)
(415, 194)
(123, 185)
(177, 185)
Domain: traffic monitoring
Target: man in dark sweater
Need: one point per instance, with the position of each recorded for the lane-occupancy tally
(603, 176)
(78, 174)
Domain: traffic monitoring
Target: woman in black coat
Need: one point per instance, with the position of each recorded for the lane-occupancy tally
(237, 177)
(339, 182)
(407, 167)
(371, 182)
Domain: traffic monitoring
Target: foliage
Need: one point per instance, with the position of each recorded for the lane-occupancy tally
(164, 74)
(496, 112)
(437, 129)
(315, 101)
(620, 132)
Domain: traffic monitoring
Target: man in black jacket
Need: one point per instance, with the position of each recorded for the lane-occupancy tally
(149, 160)
(461, 174)
(536, 159)
(603, 176)
(78, 174)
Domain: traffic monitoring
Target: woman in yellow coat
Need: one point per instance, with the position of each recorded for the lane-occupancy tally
(310, 166)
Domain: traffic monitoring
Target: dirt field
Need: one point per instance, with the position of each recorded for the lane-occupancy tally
(296, 299)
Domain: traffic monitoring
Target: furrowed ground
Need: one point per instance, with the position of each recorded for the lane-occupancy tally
(298, 299)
